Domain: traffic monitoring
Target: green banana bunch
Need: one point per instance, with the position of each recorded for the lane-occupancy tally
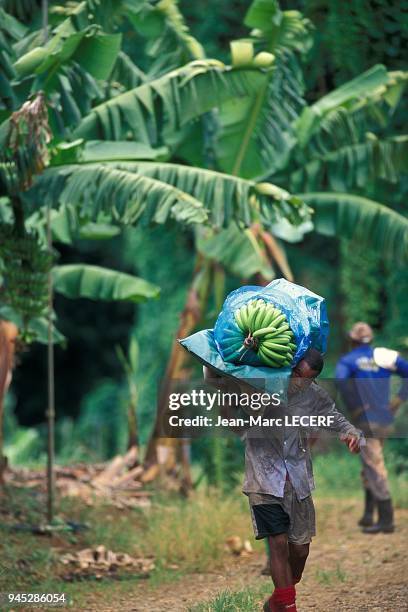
(265, 329)
(24, 266)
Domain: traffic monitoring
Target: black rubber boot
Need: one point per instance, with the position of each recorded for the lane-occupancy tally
(367, 518)
(385, 522)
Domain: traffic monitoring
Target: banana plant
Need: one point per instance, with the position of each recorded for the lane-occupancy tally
(119, 191)
(73, 281)
(146, 127)
(335, 146)
(130, 364)
(272, 134)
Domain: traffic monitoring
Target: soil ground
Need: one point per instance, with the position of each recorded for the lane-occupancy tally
(346, 571)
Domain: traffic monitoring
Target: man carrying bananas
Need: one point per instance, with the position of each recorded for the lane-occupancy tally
(279, 477)
(363, 378)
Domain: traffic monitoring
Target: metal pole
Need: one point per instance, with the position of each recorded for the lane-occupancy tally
(50, 347)
(51, 388)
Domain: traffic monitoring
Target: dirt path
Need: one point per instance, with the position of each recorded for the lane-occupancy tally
(346, 571)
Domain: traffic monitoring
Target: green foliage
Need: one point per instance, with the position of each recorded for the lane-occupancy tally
(354, 165)
(237, 251)
(361, 284)
(396, 283)
(170, 43)
(96, 57)
(169, 102)
(259, 125)
(96, 283)
(348, 216)
(245, 600)
(220, 460)
(143, 192)
(398, 452)
(353, 95)
(216, 23)
(24, 267)
(351, 36)
(100, 432)
(26, 446)
(256, 135)
(11, 31)
(156, 322)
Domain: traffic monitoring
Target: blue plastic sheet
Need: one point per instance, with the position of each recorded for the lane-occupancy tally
(307, 318)
(202, 346)
(304, 310)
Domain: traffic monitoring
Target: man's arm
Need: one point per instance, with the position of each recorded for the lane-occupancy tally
(325, 406)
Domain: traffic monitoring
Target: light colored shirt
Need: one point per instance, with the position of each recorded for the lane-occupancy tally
(273, 453)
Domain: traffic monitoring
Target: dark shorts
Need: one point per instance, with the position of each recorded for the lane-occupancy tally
(274, 515)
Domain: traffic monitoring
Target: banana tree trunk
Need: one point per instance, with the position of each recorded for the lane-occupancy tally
(189, 318)
(192, 312)
(133, 434)
(132, 428)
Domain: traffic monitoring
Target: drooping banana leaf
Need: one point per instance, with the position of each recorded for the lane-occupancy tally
(68, 226)
(36, 329)
(126, 73)
(235, 249)
(168, 103)
(10, 32)
(348, 216)
(96, 52)
(130, 193)
(121, 194)
(363, 92)
(170, 43)
(348, 145)
(354, 165)
(96, 283)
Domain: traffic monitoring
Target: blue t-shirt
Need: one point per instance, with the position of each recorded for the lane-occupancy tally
(365, 386)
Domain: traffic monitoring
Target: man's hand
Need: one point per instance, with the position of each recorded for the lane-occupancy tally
(395, 403)
(352, 441)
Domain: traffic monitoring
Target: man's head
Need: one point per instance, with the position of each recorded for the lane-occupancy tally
(308, 368)
(361, 333)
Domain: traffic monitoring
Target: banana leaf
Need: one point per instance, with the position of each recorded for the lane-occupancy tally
(96, 283)
(351, 216)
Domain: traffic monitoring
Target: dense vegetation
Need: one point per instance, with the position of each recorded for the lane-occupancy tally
(126, 128)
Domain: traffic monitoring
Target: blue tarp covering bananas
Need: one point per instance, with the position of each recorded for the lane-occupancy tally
(263, 328)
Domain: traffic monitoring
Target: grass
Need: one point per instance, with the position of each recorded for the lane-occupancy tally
(329, 576)
(250, 599)
(247, 600)
(183, 536)
(192, 533)
(337, 474)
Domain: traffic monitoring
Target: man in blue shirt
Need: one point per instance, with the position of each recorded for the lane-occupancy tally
(363, 377)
